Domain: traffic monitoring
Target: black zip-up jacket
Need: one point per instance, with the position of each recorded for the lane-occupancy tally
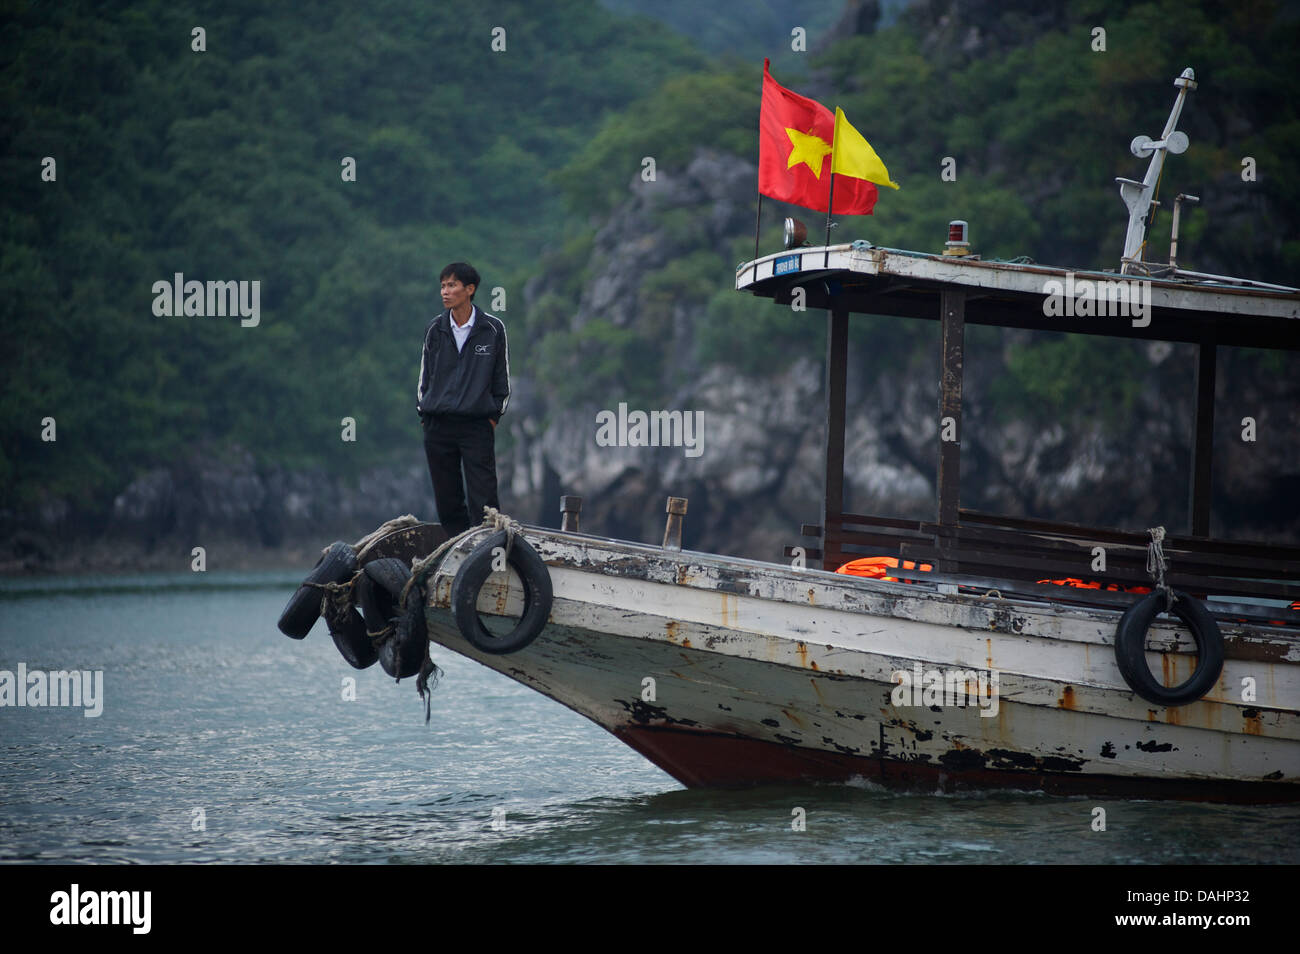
(474, 382)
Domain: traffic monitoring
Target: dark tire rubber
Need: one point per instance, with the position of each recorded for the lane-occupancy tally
(402, 653)
(470, 579)
(391, 574)
(349, 635)
(380, 589)
(1130, 649)
(336, 564)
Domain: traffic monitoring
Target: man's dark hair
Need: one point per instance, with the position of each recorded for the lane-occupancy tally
(463, 272)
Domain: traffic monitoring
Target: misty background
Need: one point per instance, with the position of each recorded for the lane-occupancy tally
(225, 164)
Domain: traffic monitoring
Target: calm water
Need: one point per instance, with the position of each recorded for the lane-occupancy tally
(208, 707)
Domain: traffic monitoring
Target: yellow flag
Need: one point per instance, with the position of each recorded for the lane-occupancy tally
(851, 155)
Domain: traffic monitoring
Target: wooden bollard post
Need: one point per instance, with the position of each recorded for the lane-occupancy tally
(570, 512)
(673, 529)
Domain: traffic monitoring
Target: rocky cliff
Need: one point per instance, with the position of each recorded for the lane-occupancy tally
(637, 313)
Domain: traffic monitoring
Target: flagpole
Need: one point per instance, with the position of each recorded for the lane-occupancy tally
(758, 219)
(829, 206)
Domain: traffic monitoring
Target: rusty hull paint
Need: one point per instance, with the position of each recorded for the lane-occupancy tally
(779, 582)
(725, 732)
(716, 760)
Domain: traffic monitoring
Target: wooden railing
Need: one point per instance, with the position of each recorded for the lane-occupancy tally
(1016, 548)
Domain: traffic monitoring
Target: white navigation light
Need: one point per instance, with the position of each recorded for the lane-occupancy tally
(796, 233)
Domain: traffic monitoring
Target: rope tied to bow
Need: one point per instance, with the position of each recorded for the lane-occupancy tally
(422, 569)
(336, 598)
(496, 520)
(1157, 564)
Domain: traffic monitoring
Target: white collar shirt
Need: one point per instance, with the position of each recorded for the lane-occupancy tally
(461, 332)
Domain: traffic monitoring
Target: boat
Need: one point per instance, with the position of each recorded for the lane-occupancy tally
(1169, 667)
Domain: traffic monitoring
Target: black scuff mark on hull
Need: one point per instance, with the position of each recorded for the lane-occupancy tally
(643, 713)
(1006, 759)
(628, 567)
(1108, 750)
(772, 722)
(724, 708)
(1004, 621)
(1154, 746)
(786, 739)
(960, 759)
(1273, 776)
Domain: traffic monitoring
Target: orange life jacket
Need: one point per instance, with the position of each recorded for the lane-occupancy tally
(874, 568)
(1094, 585)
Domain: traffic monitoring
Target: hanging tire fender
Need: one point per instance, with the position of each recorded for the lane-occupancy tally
(471, 576)
(348, 630)
(378, 588)
(337, 563)
(401, 651)
(1130, 649)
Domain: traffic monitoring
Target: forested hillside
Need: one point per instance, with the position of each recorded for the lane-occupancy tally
(1038, 125)
(226, 164)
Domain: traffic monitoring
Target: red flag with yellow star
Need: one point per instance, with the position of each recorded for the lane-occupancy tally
(794, 154)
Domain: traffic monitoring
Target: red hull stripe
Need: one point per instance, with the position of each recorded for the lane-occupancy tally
(714, 760)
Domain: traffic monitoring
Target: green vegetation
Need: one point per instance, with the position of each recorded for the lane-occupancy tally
(1038, 125)
(751, 29)
(225, 164)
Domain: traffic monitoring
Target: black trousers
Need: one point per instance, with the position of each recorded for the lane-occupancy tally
(451, 443)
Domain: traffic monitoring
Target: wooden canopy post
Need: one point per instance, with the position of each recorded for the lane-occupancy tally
(837, 363)
(952, 306)
(1203, 436)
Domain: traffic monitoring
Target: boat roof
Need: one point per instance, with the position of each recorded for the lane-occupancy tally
(862, 278)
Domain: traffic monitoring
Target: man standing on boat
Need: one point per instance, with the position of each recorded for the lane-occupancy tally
(463, 391)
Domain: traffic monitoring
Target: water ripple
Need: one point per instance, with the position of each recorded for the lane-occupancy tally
(222, 741)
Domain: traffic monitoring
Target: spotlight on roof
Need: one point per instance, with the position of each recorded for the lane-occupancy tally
(796, 233)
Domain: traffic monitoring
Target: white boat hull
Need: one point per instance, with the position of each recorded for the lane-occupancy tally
(732, 672)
